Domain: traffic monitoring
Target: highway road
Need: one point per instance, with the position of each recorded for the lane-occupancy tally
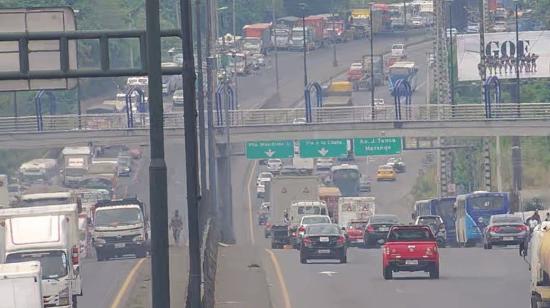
(103, 280)
(470, 277)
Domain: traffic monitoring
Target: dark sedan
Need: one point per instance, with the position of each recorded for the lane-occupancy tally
(323, 241)
(504, 229)
(378, 227)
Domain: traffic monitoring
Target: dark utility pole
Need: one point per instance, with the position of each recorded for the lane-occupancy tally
(517, 170)
(191, 155)
(275, 51)
(371, 15)
(158, 192)
(451, 56)
(200, 100)
(333, 36)
(303, 6)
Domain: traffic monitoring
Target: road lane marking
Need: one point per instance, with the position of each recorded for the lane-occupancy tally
(280, 278)
(328, 273)
(250, 219)
(126, 284)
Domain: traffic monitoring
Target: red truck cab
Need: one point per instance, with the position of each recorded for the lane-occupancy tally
(410, 248)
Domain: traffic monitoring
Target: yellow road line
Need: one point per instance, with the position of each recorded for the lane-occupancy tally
(250, 216)
(126, 284)
(280, 278)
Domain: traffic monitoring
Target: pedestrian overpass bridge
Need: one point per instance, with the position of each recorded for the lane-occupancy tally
(286, 124)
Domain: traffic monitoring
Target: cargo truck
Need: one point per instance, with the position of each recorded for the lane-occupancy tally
(257, 38)
(21, 285)
(304, 165)
(77, 160)
(280, 36)
(286, 189)
(539, 252)
(48, 234)
(120, 228)
(37, 171)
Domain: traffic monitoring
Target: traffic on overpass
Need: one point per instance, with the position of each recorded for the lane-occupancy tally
(336, 154)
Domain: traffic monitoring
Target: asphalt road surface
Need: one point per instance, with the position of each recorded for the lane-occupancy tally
(470, 277)
(103, 280)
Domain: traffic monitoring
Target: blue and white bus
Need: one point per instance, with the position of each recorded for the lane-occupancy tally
(443, 207)
(473, 211)
(406, 70)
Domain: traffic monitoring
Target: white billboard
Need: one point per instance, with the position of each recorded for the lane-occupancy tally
(500, 51)
(43, 54)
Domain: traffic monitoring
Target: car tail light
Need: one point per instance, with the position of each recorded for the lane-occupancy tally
(386, 250)
(75, 255)
(430, 251)
(521, 228)
(341, 240)
(494, 229)
(370, 228)
(307, 242)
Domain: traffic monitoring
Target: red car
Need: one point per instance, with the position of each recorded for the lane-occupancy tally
(355, 72)
(355, 233)
(410, 248)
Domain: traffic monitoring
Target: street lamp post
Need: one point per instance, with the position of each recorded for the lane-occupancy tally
(517, 169)
(405, 20)
(372, 86)
(451, 56)
(333, 36)
(275, 49)
(516, 2)
(303, 7)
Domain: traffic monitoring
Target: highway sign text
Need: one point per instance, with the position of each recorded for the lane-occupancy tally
(377, 146)
(313, 148)
(270, 149)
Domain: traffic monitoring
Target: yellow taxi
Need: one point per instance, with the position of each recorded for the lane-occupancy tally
(386, 173)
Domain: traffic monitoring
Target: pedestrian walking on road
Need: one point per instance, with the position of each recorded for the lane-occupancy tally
(176, 224)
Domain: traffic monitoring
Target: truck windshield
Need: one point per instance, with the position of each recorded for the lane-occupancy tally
(75, 171)
(116, 217)
(45, 201)
(409, 235)
(54, 263)
(315, 220)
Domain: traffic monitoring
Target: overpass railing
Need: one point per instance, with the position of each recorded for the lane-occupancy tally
(284, 116)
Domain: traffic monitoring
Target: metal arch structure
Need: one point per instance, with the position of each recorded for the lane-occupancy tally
(402, 88)
(141, 104)
(38, 107)
(307, 98)
(224, 93)
(491, 82)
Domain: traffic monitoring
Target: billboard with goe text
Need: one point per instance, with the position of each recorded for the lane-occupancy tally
(500, 55)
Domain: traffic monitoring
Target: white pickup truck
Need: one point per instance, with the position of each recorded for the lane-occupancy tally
(398, 51)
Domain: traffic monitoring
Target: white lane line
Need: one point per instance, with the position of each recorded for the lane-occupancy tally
(249, 193)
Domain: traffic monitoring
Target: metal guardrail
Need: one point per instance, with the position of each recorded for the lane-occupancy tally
(288, 116)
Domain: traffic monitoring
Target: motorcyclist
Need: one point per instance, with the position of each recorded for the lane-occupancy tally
(176, 224)
(534, 217)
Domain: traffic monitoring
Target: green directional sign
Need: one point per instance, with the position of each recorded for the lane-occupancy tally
(270, 149)
(377, 146)
(313, 148)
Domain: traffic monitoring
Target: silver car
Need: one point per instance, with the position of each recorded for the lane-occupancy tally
(504, 229)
